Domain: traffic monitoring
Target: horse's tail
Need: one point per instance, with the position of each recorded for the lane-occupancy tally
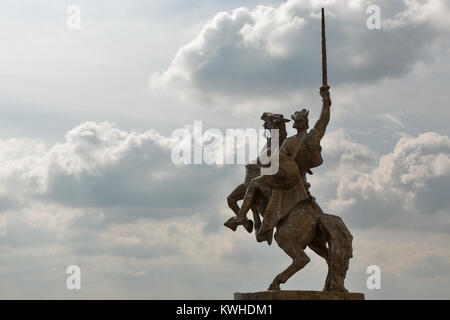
(340, 250)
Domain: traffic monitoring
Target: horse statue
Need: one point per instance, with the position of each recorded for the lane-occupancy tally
(284, 202)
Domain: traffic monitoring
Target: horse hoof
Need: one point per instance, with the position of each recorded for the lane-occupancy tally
(230, 225)
(268, 236)
(274, 287)
(248, 225)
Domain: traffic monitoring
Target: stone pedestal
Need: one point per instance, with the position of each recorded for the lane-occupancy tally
(298, 295)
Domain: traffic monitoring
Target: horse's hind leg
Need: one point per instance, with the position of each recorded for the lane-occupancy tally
(299, 260)
(319, 245)
(293, 235)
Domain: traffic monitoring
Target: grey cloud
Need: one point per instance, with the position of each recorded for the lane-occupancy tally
(141, 251)
(433, 266)
(101, 177)
(127, 174)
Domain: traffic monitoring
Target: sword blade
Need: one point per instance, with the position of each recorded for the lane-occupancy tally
(324, 52)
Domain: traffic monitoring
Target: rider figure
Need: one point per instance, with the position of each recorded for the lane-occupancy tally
(297, 155)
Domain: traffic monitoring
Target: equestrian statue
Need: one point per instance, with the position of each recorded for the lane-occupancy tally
(281, 203)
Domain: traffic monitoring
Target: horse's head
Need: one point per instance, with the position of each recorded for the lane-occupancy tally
(275, 121)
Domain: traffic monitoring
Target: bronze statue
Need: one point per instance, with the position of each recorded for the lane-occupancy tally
(283, 199)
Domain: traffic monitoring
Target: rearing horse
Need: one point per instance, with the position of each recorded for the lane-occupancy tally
(302, 223)
(307, 226)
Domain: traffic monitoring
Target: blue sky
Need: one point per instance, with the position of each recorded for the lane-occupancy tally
(85, 141)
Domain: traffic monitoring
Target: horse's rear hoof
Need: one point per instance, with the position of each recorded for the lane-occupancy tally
(274, 287)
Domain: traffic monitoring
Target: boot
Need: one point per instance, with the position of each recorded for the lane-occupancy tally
(234, 222)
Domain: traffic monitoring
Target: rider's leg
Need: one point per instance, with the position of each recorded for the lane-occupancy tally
(232, 199)
(248, 203)
(249, 197)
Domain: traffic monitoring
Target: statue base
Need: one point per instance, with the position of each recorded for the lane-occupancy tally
(298, 295)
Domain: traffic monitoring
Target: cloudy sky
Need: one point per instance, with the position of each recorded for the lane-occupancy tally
(87, 114)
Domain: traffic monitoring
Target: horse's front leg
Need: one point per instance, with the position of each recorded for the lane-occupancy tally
(256, 219)
(232, 199)
(237, 194)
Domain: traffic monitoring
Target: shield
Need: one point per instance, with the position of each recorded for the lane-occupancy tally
(288, 174)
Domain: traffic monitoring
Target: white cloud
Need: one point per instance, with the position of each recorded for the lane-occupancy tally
(431, 12)
(392, 119)
(408, 188)
(341, 151)
(251, 56)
